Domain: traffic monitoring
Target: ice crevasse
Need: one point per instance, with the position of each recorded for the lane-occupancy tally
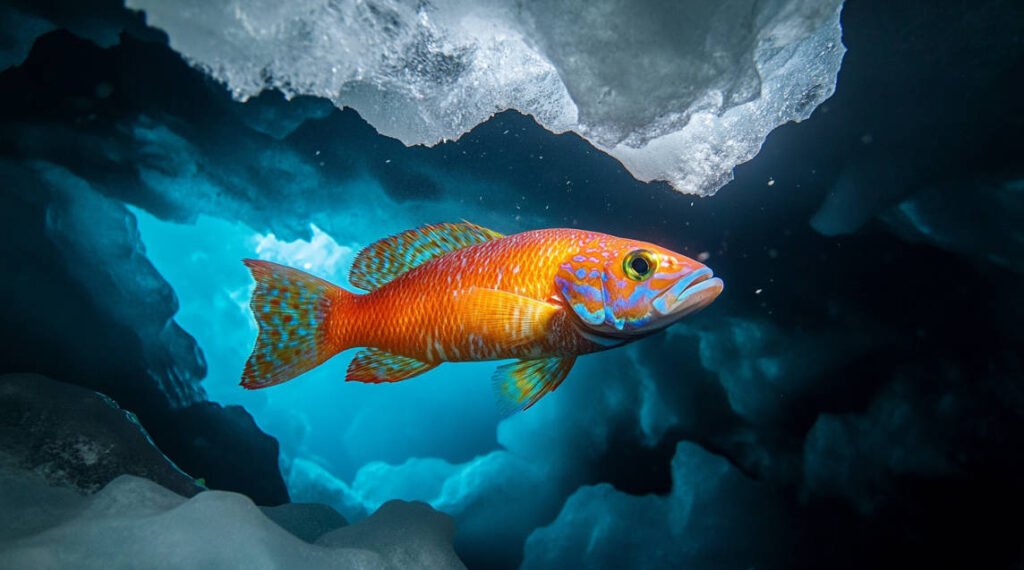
(677, 91)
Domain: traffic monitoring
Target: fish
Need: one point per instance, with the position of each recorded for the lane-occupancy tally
(457, 292)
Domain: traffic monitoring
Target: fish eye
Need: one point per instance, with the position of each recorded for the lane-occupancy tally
(639, 264)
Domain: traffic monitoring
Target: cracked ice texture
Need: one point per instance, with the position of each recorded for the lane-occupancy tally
(679, 91)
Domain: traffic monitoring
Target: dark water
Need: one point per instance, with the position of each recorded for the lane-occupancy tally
(854, 399)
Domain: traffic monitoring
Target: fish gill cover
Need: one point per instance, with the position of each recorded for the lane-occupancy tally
(676, 91)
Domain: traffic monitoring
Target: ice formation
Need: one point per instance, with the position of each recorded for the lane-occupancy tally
(926, 217)
(690, 528)
(98, 242)
(680, 92)
(78, 438)
(764, 368)
(133, 522)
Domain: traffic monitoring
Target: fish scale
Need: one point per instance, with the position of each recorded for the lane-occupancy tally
(414, 301)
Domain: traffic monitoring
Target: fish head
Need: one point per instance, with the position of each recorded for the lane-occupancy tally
(621, 288)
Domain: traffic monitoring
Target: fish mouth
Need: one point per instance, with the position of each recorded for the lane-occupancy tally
(689, 294)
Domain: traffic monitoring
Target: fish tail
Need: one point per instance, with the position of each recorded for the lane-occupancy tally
(293, 310)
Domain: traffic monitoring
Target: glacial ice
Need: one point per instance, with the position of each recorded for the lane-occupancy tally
(499, 497)
(17, 32)
(765, 369)
(133, 522)
(98, 240)
(925, 216)
(75, 493)
(704, 523)
(680, 92)
(308, 521)
(862, 457)
(78, 438)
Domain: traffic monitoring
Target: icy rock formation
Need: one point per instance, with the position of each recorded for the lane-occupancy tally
(130, 289)
(270, 114)
(404, 534)
(308, 481)
(88, 307)
(864, 187)
(498, 498)
(133, 522)
(764, 368)
(418, 479)
(308, 521)
(681, 92)
(987, 226)
(223, 445)
(86, 293)
(694, 527)
(861, 457)
(77, 438)
(936, 422)
(59, 442)
(100, 21)
(17, 31)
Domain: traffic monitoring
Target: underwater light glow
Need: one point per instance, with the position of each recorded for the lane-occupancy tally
(449, 413)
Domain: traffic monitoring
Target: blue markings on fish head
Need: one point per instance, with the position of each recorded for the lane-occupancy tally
(629, 289)
(583, 295)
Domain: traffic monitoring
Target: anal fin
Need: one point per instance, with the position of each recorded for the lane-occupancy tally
(375, 366)
(520, 385)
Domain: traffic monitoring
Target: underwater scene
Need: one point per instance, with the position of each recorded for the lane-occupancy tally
(391, 284)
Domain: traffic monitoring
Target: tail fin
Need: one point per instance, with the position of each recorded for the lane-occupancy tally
(291, 308)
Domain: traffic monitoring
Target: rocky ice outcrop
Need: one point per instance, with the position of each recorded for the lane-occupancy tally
(693, 527)
(86, 306)
(133, 522)
(78, 438)
(680, 91)
(986, 227)
(308, 521)
(77, 491)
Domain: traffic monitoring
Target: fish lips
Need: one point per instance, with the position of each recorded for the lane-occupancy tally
(689, 294)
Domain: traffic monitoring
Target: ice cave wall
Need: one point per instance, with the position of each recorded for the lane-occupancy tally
(679, 91)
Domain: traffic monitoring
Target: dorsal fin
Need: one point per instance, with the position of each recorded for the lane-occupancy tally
(382, 261)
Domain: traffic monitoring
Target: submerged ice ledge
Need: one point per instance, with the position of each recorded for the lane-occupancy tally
(681, 91)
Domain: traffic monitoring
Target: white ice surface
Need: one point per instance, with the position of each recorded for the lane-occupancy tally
(135, 523)
(677, 91)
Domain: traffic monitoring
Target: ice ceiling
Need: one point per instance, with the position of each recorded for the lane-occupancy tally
(678, 91)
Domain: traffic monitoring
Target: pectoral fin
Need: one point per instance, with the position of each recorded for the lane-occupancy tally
(374, 366)
(519, 385)
(506, 317)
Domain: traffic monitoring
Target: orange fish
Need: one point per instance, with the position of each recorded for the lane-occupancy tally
(460, 292)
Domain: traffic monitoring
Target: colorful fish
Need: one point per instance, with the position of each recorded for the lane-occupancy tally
(459, 292)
